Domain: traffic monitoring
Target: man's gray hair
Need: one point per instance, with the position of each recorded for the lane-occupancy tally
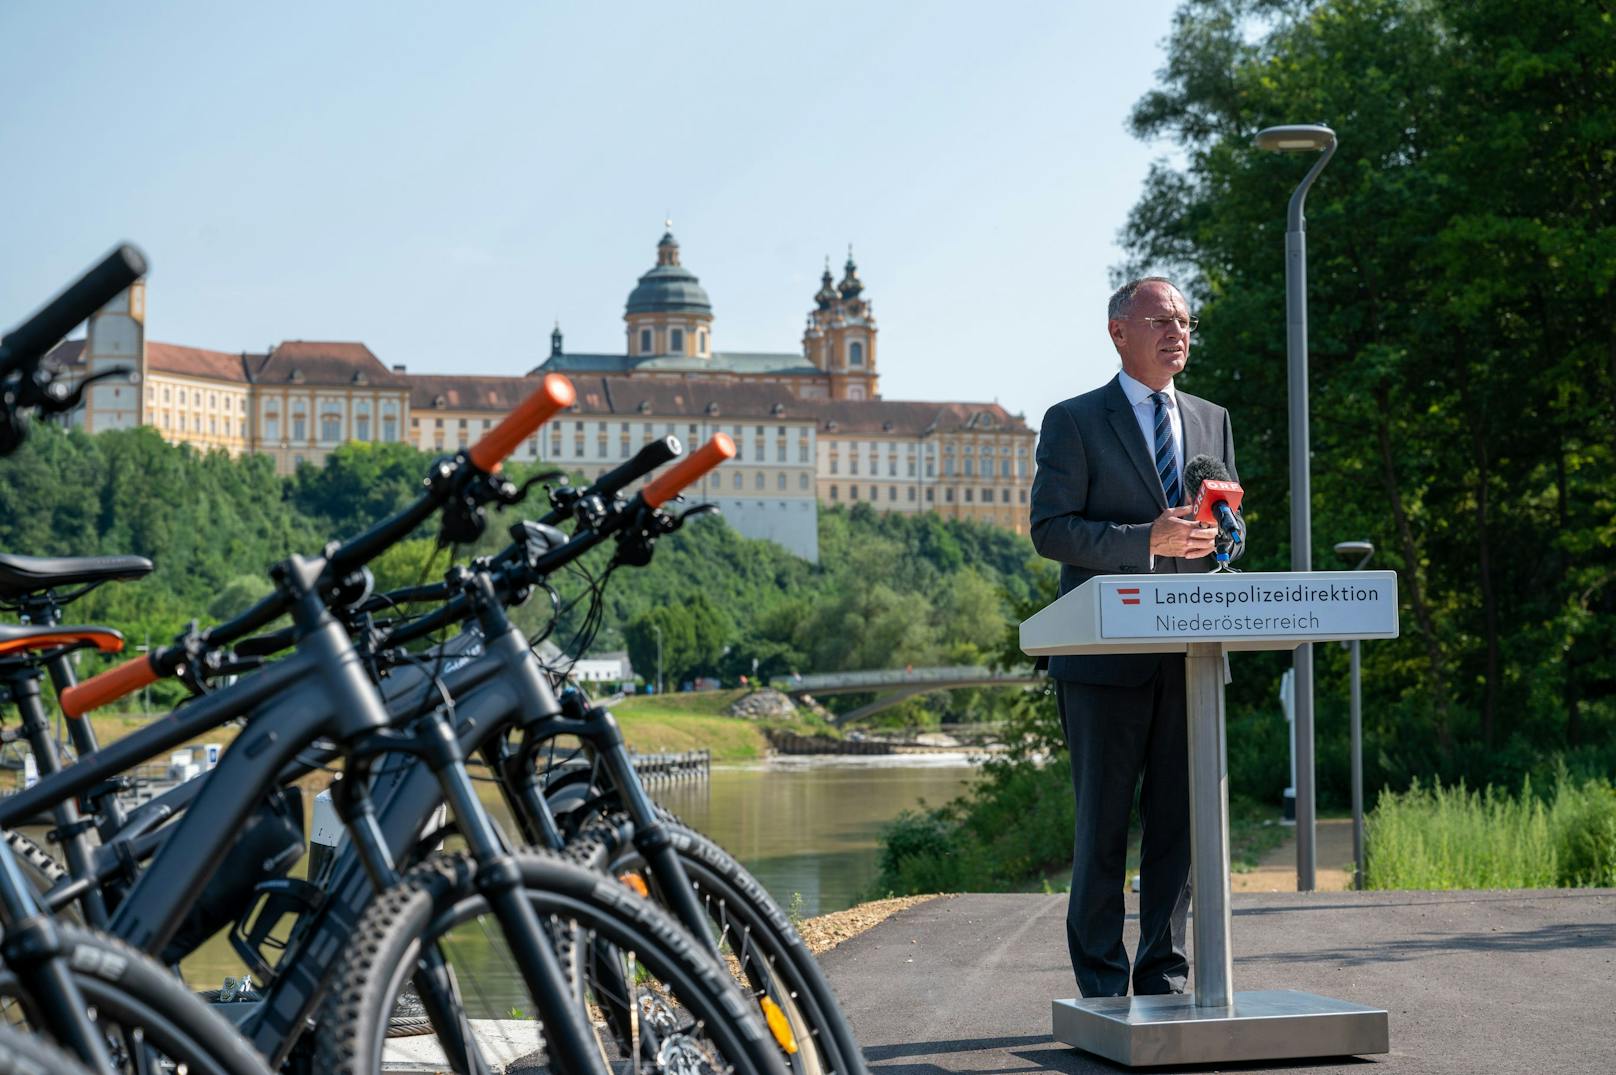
(1122, 298)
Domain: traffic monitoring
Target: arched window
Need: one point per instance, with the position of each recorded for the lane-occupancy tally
(645, 341)
(855, 353)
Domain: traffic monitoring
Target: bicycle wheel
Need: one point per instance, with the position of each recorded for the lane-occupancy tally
(756, 937)
(152, 1022)
(26, 1054)
(656, 1001)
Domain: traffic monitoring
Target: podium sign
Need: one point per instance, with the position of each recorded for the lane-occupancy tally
(1203, 616)
(1240, 611)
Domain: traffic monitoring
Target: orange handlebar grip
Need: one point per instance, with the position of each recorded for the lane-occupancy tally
(109, 686)
(554, 395)
(666, 485)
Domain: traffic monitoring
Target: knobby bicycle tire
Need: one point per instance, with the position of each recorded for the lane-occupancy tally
(591, 914)
(141, 1004)
(41, 871)
(764, 950)
(22, 1053)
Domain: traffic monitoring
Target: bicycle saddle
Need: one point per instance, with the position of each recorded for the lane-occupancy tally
(24, 575)
(19, 638)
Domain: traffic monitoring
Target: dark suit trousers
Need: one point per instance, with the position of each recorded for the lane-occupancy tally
(1114, 734)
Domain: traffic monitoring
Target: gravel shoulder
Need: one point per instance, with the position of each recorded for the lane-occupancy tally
(826, 931)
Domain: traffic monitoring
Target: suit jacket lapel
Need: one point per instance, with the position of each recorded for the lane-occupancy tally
(1197, 438)
(1126, 427)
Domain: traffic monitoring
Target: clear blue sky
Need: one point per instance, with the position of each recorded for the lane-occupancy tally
(443, 181)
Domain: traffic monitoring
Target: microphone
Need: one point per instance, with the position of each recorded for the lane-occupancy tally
(1215, 495)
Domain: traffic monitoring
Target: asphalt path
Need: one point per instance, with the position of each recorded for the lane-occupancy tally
(1495, 981)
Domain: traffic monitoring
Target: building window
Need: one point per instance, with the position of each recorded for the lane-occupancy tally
(1023, 496)
(780, 481)
(1004, 496)
(165, 395)
(362, 427)
(875, 494)
(970, 467)
(892, 466)
(802, 480)
(762, 482)
(834, 464)
(676, 341)
(911, 494)
(892, 492)
(737, 481)
(780, 450)
(852, 463)
(855, 353)
(833, 492)
(931, 495)
(242, 423)
(701, 342)
(213, 426)
(330, 427)
(948, 494)
(299, 428)
(645, 341)
(948, 467)
(533, 447)
(852, 492)
(272, 427)
(389, 428)
(802, 450)
(555, 443)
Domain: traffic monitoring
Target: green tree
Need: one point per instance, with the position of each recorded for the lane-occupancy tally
(1462, 249)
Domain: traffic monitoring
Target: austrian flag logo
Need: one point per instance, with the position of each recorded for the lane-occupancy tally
(1129, 594)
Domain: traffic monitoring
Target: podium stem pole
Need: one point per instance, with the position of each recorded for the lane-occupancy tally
(1209, 825)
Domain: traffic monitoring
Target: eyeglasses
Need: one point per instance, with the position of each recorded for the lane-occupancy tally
(1157, 324)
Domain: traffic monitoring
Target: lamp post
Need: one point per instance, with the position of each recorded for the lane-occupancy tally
(657, 627)
(1362, 552)
(1300, 138)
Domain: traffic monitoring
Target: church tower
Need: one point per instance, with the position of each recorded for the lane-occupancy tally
(668, 312)
(840, 337)
(117, 337)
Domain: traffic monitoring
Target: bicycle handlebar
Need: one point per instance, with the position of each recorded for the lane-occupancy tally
(666, 486)
(646, 460)
(26, 344)
(114, 683)
(555, 394)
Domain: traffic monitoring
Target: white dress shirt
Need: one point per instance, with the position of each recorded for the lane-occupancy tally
(1144, 410)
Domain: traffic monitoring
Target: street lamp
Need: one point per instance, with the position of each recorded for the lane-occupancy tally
(657, 627)
(1361, 552)
(1300, 138)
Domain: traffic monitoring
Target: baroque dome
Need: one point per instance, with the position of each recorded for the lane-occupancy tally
(669, 287)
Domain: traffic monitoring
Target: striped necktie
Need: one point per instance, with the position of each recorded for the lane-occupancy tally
(1166, 457)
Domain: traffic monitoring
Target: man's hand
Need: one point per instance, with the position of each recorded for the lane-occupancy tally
(1174, 535)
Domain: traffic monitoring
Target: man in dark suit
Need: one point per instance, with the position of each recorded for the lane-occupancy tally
(1108, 498)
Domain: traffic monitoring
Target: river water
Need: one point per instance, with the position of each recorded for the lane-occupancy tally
(811, 826)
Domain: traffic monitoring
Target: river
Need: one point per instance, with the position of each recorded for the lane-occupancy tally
(811, 826)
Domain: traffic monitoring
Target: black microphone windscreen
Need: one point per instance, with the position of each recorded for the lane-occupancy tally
(1203, 468)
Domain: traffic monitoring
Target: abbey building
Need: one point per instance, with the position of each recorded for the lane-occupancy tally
(811, 425)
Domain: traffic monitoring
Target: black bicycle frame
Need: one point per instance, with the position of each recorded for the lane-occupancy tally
(322, 690)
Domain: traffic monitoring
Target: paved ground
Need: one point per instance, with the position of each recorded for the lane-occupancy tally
(1472, 981)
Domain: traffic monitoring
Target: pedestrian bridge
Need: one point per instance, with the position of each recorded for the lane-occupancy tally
(893, 685)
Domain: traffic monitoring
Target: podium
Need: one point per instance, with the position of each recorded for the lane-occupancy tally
(1204, 616)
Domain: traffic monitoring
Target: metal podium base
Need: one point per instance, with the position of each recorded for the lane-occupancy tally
(1274, 1024)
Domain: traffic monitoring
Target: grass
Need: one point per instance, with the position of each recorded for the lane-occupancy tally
(691, 721)
(1446, 838)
